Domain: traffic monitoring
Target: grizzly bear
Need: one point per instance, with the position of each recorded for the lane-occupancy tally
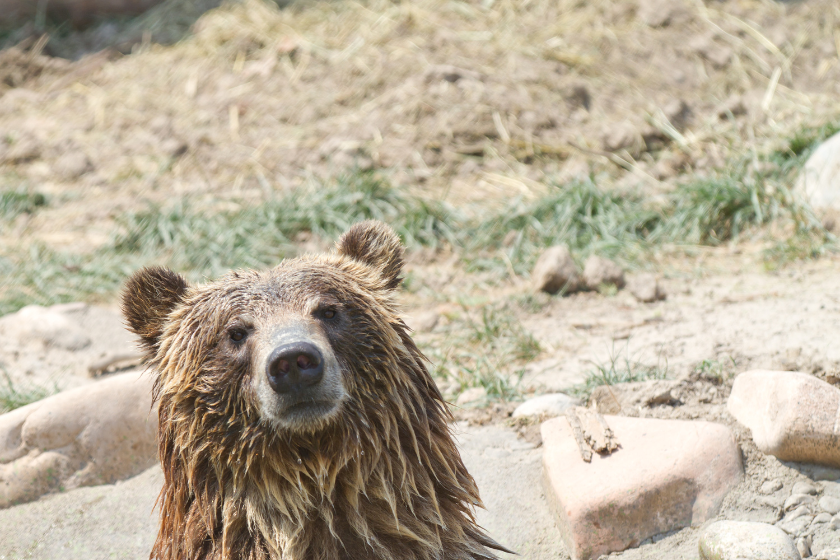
(297, 418)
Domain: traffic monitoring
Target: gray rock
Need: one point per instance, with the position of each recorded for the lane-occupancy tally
(773, 501)
(646, 288)
(796, 500)
(804, 487)
(736, 540)
(803, 545)
(830, 504)
(556, 270)
(598, 271)
(771, 486)
(819, 181)
(795, 526)
(828, 554)
(821, 518)
(553, 404)
(47, 325)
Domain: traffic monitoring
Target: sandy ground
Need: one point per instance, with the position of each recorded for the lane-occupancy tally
(785, 320)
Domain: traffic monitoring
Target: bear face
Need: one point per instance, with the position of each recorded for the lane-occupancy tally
(297, 418)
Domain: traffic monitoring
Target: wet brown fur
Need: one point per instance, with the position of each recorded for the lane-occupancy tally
(381, 480)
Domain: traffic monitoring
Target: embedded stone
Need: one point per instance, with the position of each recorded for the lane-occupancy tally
(736, 540)
(792, 415)
(666, 475)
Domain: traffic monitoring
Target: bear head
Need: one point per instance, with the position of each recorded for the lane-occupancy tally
(297, 418)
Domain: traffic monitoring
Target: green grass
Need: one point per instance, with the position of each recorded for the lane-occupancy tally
(485, 346)
(619, 368)
(20, 200)
(14, 396)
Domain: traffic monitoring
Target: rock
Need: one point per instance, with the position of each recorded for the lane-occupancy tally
(598, 271)
(612, 399)
(819, 181)
(646, 288)
(804, 487)
(661, 13)
(553, 404)
(71, 165)
(830, 504)
(623, 136)
(771, 486)
(737, 540)
(821, 518)
(667, 474)
(803, 545)
(796, 500)
(796, 525)
(472, 395)
(424, 321)
(791, 415)
(556, 270)
(47, 325)
(828, 554)
(94, 434)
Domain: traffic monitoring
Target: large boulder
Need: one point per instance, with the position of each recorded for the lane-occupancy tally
(666, 475)
(792, 415)
(94, 434)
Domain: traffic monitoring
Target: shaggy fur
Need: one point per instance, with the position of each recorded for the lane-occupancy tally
(381, 478)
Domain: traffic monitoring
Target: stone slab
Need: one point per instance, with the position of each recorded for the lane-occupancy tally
(667, 474)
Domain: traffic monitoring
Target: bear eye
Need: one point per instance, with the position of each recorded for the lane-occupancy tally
(329, 313)
(237, 334)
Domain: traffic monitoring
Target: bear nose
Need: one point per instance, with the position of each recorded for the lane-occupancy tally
(295, 366)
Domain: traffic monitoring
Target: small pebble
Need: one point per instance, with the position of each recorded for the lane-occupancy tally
(803, 487)
(796, 500)
(771, 486)
(830, 504)
(821, 518)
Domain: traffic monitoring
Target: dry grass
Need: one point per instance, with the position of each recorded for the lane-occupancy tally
(471, 101)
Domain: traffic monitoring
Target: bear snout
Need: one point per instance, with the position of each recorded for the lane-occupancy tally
(294, 367)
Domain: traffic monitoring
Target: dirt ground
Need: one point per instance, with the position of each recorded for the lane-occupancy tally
(473, 103)
(740, 320)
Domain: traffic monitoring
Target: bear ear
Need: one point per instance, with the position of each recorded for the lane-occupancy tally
(376, 244)
(148, 298)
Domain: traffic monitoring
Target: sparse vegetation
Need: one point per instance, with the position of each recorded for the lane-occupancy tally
(620, 367)
(20, 200)
(485, 347)
(14, 396)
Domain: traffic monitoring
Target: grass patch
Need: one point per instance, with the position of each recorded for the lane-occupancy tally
(619, 368)
(484, 347)
(14, 202)
(14, 396)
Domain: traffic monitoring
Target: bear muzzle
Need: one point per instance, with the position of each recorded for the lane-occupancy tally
(294, 367)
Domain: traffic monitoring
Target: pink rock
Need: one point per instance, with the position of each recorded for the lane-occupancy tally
(667, 474)
(94, 434)
(793, 416)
